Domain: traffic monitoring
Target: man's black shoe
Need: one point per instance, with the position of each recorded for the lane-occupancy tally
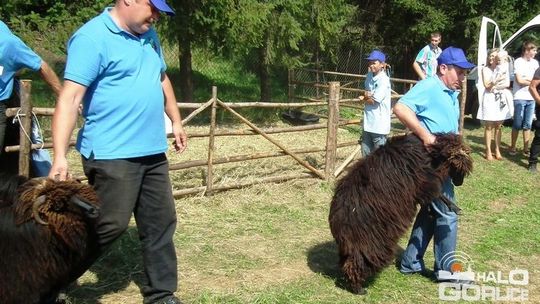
(171, 300)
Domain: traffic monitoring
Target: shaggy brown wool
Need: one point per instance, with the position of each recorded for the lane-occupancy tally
(376, 202)
(40, 259)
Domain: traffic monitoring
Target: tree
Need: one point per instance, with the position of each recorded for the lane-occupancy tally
(402, 27)
(195, 23)
(48, 24)
(284, 33)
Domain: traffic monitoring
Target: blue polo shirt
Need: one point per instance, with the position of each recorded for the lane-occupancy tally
(435, 105)
(124, 103)
(14, 55)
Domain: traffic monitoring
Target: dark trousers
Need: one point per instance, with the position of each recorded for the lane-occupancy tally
(535, 144)
(9, 135)
(139, 186)
(3, 119)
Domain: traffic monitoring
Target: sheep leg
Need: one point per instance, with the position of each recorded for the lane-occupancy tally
(359, 290)
(353, 268)
(450, 204)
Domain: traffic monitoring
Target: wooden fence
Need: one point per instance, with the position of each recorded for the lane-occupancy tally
(332, 93)
(333, 123)
(311, 85)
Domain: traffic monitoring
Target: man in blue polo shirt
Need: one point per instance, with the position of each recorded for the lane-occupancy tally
(432, 106)
(14, 56)
(115, 67)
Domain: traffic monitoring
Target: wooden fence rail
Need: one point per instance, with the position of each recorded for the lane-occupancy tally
(25, 146)
(333, 100)
(317, 85)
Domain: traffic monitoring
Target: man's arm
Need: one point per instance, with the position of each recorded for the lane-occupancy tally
(533, 89)
(171, 108)
(522, 80)
(418, 70)
(409, 119)
(50, 77)
(63, 123)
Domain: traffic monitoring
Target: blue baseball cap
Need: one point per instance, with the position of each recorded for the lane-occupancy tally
(454, 56)
(377, 55)
(162, 6)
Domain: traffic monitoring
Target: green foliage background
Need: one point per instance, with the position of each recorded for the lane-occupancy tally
(265, 37)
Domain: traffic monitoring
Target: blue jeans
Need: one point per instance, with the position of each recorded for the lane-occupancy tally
(523, 114)
(41, 159)
(441, 224)
(371, 141)
(139, 186)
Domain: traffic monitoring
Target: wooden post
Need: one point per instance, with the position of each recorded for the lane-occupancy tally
(331, 135)
(347, 161)
(463, 99)
(25, 121)
(211, 145)
(290, 92)
(317, 80)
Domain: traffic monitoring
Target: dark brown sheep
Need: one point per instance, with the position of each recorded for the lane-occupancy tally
(376, 202)
(46, 234)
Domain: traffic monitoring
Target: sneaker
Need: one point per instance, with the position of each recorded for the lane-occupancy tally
(463, 278)
(532, 168)
(171, 300)
(425, 273)
(457, 284)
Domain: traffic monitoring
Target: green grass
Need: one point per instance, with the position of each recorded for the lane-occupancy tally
(271, 243)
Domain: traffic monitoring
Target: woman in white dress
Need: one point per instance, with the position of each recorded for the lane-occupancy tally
(497, 104)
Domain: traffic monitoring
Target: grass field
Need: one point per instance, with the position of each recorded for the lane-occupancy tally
(270, 243)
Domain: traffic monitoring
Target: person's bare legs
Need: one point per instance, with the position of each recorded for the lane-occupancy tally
(497, 137)
(515, 134)
(526, 137)
(487, 137)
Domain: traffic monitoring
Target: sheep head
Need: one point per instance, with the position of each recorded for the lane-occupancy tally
(451, 156)
(66, 207)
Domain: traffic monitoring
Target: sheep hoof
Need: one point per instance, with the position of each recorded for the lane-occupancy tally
(359, 291)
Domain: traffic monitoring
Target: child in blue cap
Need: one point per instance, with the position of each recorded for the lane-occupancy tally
(377, 110)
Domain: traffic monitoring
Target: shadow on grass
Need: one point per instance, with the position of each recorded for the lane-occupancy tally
(113, 272)
(324, 259)
(478, 147)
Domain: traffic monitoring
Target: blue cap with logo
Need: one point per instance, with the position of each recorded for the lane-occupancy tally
(377, 55)
(162, 6)
(454, 56)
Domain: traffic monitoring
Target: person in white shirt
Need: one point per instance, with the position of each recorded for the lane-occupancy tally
(524, 105)
(378, 109)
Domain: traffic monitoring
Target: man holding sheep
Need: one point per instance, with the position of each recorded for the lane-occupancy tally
(115, 68)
